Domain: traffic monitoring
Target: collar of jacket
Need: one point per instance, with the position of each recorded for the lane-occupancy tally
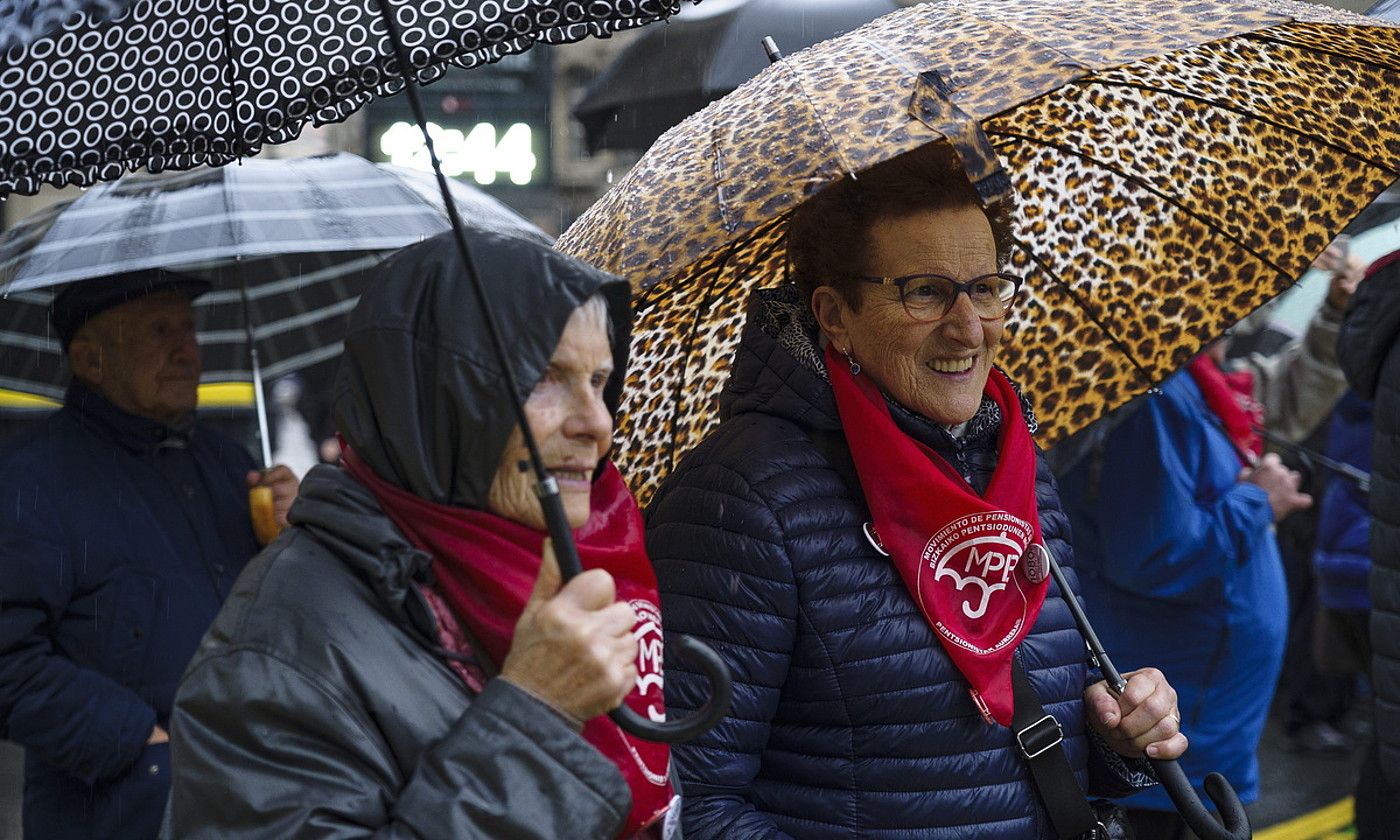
(342, 514)
(137, 434)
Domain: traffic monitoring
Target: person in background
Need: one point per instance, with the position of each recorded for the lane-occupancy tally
(1173, 504)
(1369, 350)
(1317, 701)
(123, 525)
(1342, 561)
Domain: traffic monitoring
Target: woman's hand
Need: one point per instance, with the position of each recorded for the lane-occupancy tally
(573, 647)
(1144, 719)
(284, 485)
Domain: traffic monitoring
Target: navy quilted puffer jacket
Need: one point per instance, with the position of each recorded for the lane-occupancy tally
(848, 718)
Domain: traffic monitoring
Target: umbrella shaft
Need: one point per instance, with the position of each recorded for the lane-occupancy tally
(260, 400)
(1114, 679)
(493, 329)
(1360, 478)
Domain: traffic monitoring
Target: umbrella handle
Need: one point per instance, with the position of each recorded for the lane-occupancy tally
(1168, 771)
(1234, 822)
(263, 515)
(692, 650)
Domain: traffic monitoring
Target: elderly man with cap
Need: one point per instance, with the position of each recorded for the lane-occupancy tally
(123, 525)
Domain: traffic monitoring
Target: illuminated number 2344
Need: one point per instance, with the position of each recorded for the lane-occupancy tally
(478, 152)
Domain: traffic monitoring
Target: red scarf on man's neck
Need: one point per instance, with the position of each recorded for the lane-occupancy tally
(975, 565)
(485, 568)
(1230, 397)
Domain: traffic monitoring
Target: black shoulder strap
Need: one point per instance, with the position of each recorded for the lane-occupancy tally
(1040, 741)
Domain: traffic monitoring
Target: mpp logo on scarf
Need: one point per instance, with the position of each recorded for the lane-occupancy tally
(972, 559)
(647, 632)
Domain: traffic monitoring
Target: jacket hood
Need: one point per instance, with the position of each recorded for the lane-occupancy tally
(420, 394)
(778, 368)
(1372, 326)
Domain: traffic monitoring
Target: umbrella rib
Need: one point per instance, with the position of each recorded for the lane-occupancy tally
(1227, 106)
(817, 115)
(684, 379)
(1133, 179)
(1312, 48)
(1079, 301)
(232, 76)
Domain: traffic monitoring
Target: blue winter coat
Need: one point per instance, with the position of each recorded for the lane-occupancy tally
(848, 719)
(117, 547)
(1342, 557)
(1181, 571)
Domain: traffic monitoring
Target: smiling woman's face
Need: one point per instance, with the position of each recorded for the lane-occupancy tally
(571, 423)
(938, 369)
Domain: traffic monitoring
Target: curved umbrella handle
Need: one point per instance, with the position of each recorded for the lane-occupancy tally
(1234, 823)
(693, 650)
(699, 722)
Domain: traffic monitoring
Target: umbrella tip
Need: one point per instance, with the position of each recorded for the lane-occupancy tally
(771, 48)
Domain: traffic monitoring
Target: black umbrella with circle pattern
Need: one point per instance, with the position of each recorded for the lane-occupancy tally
(171, 84)
(23, 21)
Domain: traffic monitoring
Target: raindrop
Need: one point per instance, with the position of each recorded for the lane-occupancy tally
(610, 176)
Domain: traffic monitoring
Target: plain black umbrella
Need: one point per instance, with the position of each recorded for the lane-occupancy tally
(672, 71)
(172, 84)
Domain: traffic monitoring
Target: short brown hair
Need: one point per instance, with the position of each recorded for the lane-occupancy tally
(827, 236)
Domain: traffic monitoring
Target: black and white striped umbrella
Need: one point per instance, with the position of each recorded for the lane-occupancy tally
(173, 84)
(301, 234)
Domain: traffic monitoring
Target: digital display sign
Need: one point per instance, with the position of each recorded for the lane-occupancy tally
(489, 124)
(485, 152)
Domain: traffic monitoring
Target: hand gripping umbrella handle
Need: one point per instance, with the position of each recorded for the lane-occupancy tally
(1234, 822)
(693, 650)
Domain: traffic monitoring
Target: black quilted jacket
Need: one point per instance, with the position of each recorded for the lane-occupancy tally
(848, 719)
(1369, 352)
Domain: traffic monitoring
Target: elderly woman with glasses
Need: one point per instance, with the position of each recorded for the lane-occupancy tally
(864, 538)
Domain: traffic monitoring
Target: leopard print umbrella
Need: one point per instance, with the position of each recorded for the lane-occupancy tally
(1176, 165)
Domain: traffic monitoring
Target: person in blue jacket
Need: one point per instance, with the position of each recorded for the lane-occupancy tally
(1342, 557)
(1180, 568)
(123, 524)
(790, 538)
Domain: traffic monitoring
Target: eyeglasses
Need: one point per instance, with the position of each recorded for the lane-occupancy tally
(929, 297)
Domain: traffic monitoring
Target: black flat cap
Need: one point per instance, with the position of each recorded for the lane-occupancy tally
(77, 303)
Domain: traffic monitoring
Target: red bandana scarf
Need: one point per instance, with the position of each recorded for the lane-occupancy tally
(1230, 397)
(485, 568)
(975, 565)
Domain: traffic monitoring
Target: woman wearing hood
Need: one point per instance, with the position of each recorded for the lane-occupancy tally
(401, 663)
(864, 539)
